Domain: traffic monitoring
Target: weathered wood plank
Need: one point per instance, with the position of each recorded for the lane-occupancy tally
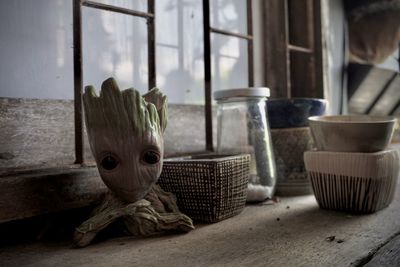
(293, 232)
(388, 255)
(305, 30)
(40, 133)
(291, 72)
(34, 193)
(300, 17)
(34, 132)
(36, 153)
(303, 80)
(276, 54)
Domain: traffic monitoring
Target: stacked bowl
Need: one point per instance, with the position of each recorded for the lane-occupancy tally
(290, 134)
(352, 168)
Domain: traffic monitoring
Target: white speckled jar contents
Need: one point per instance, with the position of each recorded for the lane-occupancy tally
(243, 128)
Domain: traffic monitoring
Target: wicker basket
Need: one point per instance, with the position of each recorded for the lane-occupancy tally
(208, 188)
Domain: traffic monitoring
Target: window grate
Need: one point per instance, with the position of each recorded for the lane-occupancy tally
(78, 70)
(151, 27)
(207, 61)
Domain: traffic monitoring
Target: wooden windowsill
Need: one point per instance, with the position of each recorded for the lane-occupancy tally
(28, 193)
(32, 191)
(292, 232)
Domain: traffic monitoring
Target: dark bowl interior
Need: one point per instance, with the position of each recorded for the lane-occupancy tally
(294, 112)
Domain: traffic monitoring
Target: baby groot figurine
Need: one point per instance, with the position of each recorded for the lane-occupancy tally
(125, 133)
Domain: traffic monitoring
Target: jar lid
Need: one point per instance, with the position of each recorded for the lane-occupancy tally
(242, 92)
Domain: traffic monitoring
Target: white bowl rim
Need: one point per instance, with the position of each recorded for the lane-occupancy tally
(352, 119)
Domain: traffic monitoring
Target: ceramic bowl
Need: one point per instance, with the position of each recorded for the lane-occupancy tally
(294, 112)
(352, 133)
(354, 182)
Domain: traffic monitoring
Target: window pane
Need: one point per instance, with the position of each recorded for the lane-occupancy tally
(37, 128)
(180, 72)
(229, 62)
(36, 44)
(180, 53)
(138, 5)
(114, 45)
(229, 15)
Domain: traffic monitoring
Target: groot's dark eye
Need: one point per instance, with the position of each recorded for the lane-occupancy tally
(109, 162)
(151, 157)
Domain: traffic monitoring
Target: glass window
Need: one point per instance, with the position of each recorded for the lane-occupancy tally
(229, 62)
(229, 15)
(114, 45)
(180, 53)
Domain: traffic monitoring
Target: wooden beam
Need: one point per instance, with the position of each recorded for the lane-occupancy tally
(300, 23)
(78, 82)
(305, 48)
(388, 255)
(276, 55)
(302, 71)
(234, 34)
(33, 193)
(117, 9)
(318, 58)
(40, 133)
(295, 48)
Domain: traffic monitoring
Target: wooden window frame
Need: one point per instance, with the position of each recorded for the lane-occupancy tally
(280, 69)
(78, 70)
(208, 30)
(38, 191)
(151, 42)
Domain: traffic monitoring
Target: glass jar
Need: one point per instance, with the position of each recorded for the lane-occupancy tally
(243, 128)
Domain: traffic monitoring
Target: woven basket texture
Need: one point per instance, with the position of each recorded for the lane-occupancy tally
(209, 189)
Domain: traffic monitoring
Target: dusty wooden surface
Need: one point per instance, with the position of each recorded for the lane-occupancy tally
(293, 232)
(388, 255)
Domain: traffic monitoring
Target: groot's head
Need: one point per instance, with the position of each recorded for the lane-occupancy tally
(125, 135)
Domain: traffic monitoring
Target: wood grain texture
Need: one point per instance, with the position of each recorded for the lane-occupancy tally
(292, 50)
(388, 255)
(292, 232)
(31, 193)
(34, 132)
(39, 133)
(36, 155)
(276, 54)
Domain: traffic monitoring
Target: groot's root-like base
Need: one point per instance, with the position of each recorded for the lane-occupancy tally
(156, 213)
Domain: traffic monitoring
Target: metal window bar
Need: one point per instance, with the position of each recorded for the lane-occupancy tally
(78, 70)
(207, 29)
